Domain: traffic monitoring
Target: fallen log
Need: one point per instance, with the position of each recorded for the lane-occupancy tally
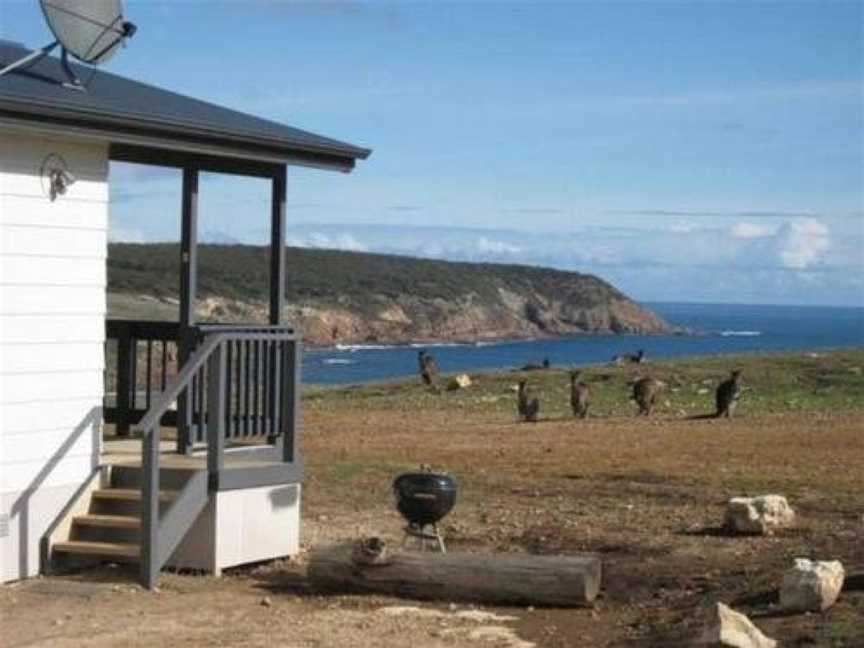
(368, 567)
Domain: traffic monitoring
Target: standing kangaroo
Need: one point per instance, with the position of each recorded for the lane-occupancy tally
(527, 407)
(428, 367)
(645, 392)
(727, 395)
(579, 394)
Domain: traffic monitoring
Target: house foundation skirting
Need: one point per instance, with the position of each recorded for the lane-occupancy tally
(242, 526)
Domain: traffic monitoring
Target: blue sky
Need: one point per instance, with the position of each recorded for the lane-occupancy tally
(702, 151)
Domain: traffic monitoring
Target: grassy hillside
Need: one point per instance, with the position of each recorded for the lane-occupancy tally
(341, 296)
(242, 272)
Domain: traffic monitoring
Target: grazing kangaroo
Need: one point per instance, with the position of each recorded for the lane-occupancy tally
(527, 407)
(645, 392)
(727, 395)
(579, 394)
(533, 366)
(428, 368)
(639, 358)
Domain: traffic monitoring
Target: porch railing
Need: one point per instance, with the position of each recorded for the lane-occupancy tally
(261, 363)
(141, 358)
(210, 366)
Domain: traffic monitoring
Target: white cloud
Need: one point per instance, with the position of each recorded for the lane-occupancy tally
(124, 235)
(330, 242)
(682, 227)
(218, 237)
(738, 260)
(492, 246)
(802, 242)
(744, 230)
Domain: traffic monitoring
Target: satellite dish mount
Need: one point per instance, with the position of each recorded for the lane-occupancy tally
(90, 31)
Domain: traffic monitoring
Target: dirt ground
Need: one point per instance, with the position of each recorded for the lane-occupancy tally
(646, 495)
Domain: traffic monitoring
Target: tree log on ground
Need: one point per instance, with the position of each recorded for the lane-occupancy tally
(368, 567)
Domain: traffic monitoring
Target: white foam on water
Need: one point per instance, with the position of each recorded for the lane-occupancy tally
(363, 347)
(740, 333)
(338, 361)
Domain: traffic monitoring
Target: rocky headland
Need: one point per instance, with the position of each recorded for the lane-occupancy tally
(338, 297)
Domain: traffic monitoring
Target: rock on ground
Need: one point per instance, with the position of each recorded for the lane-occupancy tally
(735, 630)
(762, 515)
(811, 585)
(459, 382)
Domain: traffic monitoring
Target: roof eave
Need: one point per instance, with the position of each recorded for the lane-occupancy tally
(164, 136)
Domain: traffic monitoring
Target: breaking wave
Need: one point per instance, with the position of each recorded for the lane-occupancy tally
(363, 347)
(740, 333)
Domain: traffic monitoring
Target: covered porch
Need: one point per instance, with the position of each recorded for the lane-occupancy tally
(201, 408)
(205, 415)
(247, 384)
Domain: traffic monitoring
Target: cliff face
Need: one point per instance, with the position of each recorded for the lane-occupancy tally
(517, 315)
(343, 297)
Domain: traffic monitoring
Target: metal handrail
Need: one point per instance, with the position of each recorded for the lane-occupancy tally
(150, 430)
(152, 556)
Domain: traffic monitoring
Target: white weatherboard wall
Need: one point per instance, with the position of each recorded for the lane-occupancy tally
(52, 334)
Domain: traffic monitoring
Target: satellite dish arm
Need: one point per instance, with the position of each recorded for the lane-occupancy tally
(30, 58)
(74, 81)
(128, 30)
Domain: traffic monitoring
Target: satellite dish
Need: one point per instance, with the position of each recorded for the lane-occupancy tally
(89, 30)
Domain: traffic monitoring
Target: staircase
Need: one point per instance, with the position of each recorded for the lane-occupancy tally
(146, 511)
(111, 529)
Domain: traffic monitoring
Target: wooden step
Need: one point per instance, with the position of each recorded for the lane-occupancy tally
(129, 494)
(108, 521)
(98, 548)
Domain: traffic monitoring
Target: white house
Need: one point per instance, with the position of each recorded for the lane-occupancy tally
(64, 495)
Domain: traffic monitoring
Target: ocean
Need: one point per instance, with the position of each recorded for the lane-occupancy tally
(720, 328)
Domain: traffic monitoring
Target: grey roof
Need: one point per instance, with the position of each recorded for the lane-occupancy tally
(115, 105)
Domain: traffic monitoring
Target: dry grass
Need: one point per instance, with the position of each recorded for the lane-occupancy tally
(645, 494)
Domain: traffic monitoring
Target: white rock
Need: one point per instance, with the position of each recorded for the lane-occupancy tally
(761, 514)
(735, 630)
(411, 610)
(459, 382)
(484, 617)
(499, 636)
(811, 585)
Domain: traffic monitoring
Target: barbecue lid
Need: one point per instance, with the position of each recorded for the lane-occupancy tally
(425, 480)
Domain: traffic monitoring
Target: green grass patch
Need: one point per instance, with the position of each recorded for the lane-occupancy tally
(773, 382)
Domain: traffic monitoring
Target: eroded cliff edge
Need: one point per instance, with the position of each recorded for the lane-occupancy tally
(350, 297)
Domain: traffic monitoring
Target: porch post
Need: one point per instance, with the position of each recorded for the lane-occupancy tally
(277, 247)
(126, 347)
(277, 300)
(188, 288)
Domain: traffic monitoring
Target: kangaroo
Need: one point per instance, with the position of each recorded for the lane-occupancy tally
(645, 392)
(727, 395)
(534, 366)
(527, 407)
(579, 394)
(428, 367)
(638, 358)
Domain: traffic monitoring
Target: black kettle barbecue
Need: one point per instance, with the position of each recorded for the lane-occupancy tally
(424, 498)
